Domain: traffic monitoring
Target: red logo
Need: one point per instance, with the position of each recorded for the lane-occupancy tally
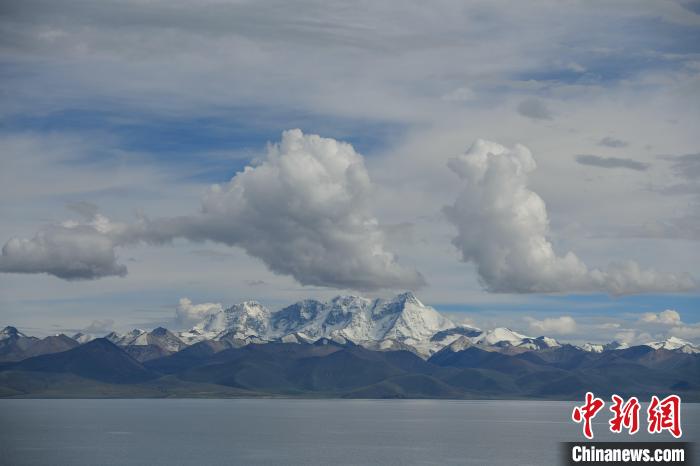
(665, 415)
(661, 415)
(587, 412)
(625, 415)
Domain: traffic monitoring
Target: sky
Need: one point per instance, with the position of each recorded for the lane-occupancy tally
(533, 166)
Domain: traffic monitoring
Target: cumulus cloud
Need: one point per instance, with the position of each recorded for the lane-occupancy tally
(102, 326)
(668, 323)
(611, 162)
(632, 337)
(535, 109)
(71, 251)
(667, 317)
(188, 314)
(556, 325)
(502, 227)
(305, 211)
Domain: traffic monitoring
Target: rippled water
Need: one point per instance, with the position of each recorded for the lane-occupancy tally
(294, 432)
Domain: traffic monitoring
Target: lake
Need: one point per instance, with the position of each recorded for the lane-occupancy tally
(296, 432)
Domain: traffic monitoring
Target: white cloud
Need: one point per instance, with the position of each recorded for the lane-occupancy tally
(188, 314)
(688, 332)
(305, 211)
(503, 227)
(71, 251)
(555, 325)
(669, 323)
(101, 326)
(309, 64)
(667, 317)
(632, 337)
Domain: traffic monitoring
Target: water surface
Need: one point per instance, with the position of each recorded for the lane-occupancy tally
(294, 432)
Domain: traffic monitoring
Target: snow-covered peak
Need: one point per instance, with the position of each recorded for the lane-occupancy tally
(407, 297)
(165, 339)
(673, 344)
(240, 321)
(460, 344)
(11, 332)
(414, 320)
(83, 337)
(160, 337)
(592, 347)
(600, 347)
(538, 343)
(134, 337)
(359, 319)
(114, 337)
(501, 336)
(548, 342)
(403, 318)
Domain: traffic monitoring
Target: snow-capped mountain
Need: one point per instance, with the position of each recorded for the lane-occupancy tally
(160, 337)
(241, 321)
(460, 344)
(81, 337)
(403, 319)
(671, 344)
(674, 344)
(600, 347)
(15, 345)
(11, 333)
(400, 323)
(502, 337)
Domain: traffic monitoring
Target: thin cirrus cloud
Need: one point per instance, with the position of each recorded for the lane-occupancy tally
(685, 166)
(535, 109)
(609, 141)
(611, 162)
(304, 211)
(502, 227)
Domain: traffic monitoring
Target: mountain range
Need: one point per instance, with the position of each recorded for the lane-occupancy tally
(346, 347)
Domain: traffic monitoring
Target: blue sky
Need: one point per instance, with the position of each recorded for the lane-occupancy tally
(137, 109)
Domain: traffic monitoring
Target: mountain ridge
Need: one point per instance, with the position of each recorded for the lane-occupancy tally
(399, 323)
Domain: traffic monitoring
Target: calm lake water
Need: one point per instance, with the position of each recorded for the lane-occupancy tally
(294, 432)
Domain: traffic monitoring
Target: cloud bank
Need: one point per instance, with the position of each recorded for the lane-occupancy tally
(187, 314)
(71, 251)
(562, 325)
(502, 228)
(667, 317)
(611, 162)
(305, 211)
